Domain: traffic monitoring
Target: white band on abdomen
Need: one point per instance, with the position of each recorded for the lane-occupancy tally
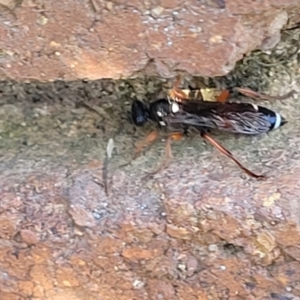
(278, 121)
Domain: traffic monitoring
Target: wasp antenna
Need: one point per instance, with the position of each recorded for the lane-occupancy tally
(260, 96)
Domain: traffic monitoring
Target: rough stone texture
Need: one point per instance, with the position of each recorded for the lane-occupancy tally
(94, 39)
(199, 230)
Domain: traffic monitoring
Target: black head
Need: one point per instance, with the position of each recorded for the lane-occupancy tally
(139, 113)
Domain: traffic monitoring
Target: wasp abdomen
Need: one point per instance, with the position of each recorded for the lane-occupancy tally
(274, 118)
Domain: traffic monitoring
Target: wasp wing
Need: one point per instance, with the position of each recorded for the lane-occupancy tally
(233, 117)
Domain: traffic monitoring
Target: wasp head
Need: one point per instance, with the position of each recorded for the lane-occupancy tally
(139, 113)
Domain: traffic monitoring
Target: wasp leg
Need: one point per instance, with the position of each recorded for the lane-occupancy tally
(141, 145)
(176, 93)
(172, 137)
(259, 96)
(223, 97)
(177, 82)
(229, 155)
(146, 142)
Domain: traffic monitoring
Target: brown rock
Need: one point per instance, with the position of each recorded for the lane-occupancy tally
(40, 275)
(288, 273)
(189, 292)
(38, 291)
(288, 235)
(65, 277)
(29, 237)
(82, 217)
(8, 226)
(198, 230)
(26, 287)
(192, 265)
(10, 4)
(120, 38)
(10, 296)
(293, 251)
(178, 232)
(136, 254)
(163, 289)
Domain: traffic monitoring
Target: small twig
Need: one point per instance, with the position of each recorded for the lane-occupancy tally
(109, 150)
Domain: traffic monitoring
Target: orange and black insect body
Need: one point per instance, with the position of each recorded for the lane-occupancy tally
(178, 112)
(244, 118)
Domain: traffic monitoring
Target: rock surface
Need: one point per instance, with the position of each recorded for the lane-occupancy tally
(199, 230)
(96, 39)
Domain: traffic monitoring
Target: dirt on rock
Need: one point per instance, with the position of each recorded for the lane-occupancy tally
(95, 39)
(198, 230)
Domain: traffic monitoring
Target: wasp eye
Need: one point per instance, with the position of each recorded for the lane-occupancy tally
(139, 113)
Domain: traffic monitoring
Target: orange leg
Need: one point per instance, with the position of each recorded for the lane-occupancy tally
(177, 82)
(141, 145)
(176, 93)
(258, 96)
(223, 97)
(147, 141)
(175, 137)
(229, 155)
